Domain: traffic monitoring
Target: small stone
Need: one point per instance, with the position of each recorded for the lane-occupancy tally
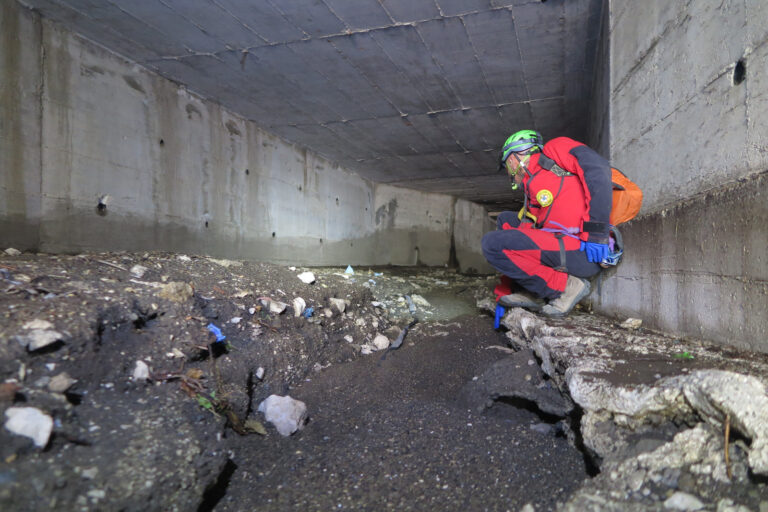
(285, 413)
(276, 307)
(683, 501)
(542, 428)
(631, 323)
(260, 373)
(235, 320)
(338, 304)
(183, 257)
(38, 324)
(141, 371)
(307, 277)
(366, 349)
(138, 271)
(299, 305)
(39, 338)
(328, 313)
(176, 291)
(29, 422)
(420, 301)
(61, 383)
(90, 473)
(348, 338)
(12, 252)
(96, 494)
(380, 342)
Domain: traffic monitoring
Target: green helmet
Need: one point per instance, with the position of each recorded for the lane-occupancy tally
(521, 141)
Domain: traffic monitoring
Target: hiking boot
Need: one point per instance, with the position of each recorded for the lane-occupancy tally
(575, 290)
(521, 300)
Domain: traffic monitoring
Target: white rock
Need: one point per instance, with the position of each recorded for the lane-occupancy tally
(260, 373)
(366, 349)
(138, 271)
(29, 422)
(61, 383)
(338, 304)
(348, 338)
(631, 323)
(299, 305)
(37, 324)
(420, 301)
(377, 304)
(39, 338)
(380, 342)
(183, 257)
(285, 413)
(141, 372)
(252, 310)
(276, 307)
(328, 313)
(307, 277)
(235, 320)
(683, 501)
(12, 252)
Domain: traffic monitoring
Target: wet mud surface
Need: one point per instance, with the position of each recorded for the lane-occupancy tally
(392, 432)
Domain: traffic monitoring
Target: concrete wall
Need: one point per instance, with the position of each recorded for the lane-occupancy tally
(181, 174)
(696, 141)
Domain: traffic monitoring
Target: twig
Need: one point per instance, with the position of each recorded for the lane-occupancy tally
(112, 265)
(727, 456)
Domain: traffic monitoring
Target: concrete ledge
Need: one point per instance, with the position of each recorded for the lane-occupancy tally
(654, 411)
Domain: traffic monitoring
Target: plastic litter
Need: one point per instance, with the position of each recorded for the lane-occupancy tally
(308, 312)
(683, 355)
(378, 274)
(499, 315)
(349, 270)
(217, 332)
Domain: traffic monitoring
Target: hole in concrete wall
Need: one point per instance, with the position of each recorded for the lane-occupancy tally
(247, 172)
(299, 188)
(321, 240)
(739, 72)
(273, 234)
(162, 142)
(337, 201)
(206, 223)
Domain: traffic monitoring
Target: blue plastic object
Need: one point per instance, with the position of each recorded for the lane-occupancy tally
(349, 270)
(217, 332)
(308, 312)
(595, 252)
(499, 314)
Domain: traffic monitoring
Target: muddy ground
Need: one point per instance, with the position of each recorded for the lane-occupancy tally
(387, 430)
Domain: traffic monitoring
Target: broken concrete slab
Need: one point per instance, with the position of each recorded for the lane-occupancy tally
(651, 404)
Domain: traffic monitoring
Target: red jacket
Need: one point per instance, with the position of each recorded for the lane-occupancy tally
(579, 202)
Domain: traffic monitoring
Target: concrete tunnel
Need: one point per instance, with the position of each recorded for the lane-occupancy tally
(220, 134)
(367, 133)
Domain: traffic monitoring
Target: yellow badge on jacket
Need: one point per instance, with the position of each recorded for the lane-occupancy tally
(544, 197)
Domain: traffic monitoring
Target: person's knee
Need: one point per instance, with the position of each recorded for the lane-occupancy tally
(509, 218)
(490, 244)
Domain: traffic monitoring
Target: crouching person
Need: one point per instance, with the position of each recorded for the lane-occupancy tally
(562, 234)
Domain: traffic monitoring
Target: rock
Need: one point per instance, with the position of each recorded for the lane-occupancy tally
(348, 338)
(61, 383)
(542, 428)
(299, 305)
(420, 301)
(138, 271)
(176, 291)
(39, 338)
(285, 413)
(141, 371)
(527, 508)
(260, 373)
(683, 501)
(226, 263)
(29, 422)
(235, 320)
(631, 323)
(380, 342)
(276, 307)
(8, 391)
(12, 252)
(307, 277)
(338, 304)
(37, 324)
(366, 349)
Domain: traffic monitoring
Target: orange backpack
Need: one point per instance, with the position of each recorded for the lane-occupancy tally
(627, 198)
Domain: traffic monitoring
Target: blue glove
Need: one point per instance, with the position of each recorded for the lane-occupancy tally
(595, 252)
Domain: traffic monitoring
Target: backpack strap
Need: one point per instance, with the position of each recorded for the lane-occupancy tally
(547, 163)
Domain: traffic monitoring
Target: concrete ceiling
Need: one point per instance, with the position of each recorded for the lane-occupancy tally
(415, 93)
